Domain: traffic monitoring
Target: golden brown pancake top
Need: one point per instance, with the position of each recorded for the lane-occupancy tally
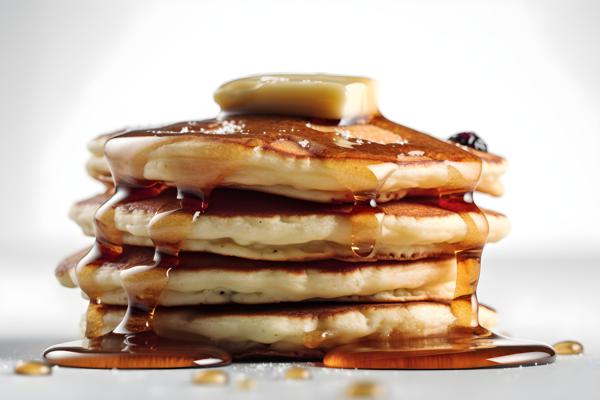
(376, 139)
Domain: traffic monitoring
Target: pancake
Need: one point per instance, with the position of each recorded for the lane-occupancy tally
(493, 167)
(295, 157)
(303, 330)
(203, 278)
(499, 225)
(261, 226)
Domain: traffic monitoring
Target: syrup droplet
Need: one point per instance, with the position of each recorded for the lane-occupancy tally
(364, 389)
(33, 368)
(568, 348)
(246, 384)
(297, 373)
(212, 377)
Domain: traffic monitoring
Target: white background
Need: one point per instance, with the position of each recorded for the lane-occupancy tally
(525, 75)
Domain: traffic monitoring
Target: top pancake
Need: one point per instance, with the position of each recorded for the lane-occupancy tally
(295, 157)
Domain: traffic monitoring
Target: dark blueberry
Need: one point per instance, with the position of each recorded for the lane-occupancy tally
(469, 139)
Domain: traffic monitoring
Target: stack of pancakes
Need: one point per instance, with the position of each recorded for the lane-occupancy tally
(281, 235)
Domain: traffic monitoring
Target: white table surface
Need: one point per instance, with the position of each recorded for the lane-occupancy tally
(546, 301)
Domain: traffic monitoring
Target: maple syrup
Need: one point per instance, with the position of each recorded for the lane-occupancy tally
(245, 384)
(568, 348)
(475, 350)
(297, 374)
(211, 377)
(134, 351)
(365, 221)
(33, 368)
(467, 345)
(364, 389)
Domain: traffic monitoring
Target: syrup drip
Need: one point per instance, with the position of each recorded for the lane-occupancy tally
(145, 283)
(468, 259)
(133, 344)
(245, 384)
(366, 217)
(467, 344)
(365, 220)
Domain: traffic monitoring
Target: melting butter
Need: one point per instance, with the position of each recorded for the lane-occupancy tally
(318, 96)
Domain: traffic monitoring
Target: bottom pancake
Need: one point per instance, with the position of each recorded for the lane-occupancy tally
(291, 330)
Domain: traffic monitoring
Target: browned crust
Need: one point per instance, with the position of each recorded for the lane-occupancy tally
(268, 131)
(273, 128)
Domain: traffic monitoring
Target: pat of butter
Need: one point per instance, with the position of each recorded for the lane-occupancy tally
(318, 96)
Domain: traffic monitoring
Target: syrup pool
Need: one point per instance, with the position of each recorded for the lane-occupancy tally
(483, 350)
